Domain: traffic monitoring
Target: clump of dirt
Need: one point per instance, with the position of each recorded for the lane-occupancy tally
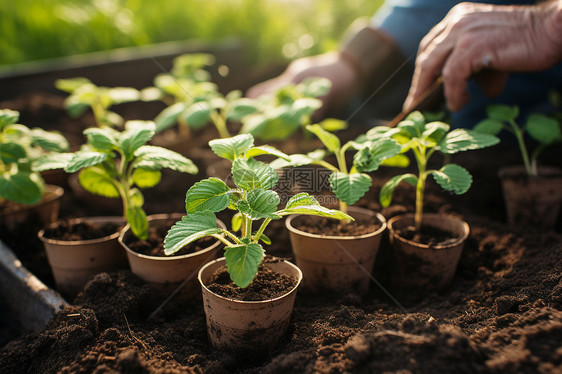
(82, 230)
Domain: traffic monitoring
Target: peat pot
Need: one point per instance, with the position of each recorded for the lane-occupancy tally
(170, 270)
(421, 267)
(336, 263)
(251, 329)
(533, 201)
(74, 262)
(46, 210)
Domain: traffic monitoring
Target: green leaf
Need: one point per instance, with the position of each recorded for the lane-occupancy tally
(266, 150)
(333, 124)
(232, 148)
(413, 126)
(454, 178)
(330, 141)
(263, 238)
(462, 140)
(385, 196)
(350, 187)
(22, 188)
(8, 117)
(71, 84)
(120, 95)
(543, 129)
(52, 161)
(502, 112)
(135, 135)
(400, 161)
(97, 181)
(294, 161)
(84, 159)
(301, 199)
(197, 115)
(210, 194)
(48, 140)
(102, 139)
(169, 116)
(489, 126)
(315, 210)
(135, 197)
(434, 132)
(241, 108)
(374, 153)
(236, 222)
(250, 174)
(156, 158)
(11, 152)
(260, 204)
(146, 178)
(242, 262)
(190, 228)
(136, 217)
(315, 86)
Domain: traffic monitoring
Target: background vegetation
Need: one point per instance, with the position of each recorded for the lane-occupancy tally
(273, 29)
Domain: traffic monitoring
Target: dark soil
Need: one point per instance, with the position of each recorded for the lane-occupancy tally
(331, 227)
(501, 314)
(154, 244)
(267, 285)
(428, 235)
(83, 230)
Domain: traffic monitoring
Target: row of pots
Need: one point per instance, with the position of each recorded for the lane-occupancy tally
(332, 263)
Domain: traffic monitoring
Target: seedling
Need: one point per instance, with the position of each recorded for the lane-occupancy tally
(349, 184)
(19, 146)
(545, 130)
(84, 94)
(117, 164)
(424, 139)
(285, 111)
(253, 200)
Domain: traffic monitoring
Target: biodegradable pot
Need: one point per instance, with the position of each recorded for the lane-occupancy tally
(46, 210)
(170, 270)
(421, 267)
(74, 262)
(533, 201)
(336, 263)
(247, 328)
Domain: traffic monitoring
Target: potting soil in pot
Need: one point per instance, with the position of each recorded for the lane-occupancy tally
(331, 227)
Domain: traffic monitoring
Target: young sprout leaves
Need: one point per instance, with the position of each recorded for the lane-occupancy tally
(253, 200)
(19, 147)
(545, 130)
(423, 139)
(84, 94)
(116, 164)
(348, 184)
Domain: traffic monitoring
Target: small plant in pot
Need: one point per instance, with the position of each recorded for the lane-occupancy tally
(239, 317)
(114, 164)
(22, 190)
(532, 193)
(427, 247)
(339, 256)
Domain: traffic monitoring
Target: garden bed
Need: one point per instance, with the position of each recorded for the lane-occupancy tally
(502, 313)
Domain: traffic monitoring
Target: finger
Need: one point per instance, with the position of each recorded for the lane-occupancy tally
(492, 82)
(428, 67)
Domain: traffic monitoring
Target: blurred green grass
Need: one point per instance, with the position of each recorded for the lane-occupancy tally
(272, 29)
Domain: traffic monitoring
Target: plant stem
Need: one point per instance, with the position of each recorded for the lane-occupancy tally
(421, 160)
(222, 240)
(219, 120)
(521, 142)
(261, 229)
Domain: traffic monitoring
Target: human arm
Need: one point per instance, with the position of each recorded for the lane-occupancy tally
(486, 42)
(363, 60)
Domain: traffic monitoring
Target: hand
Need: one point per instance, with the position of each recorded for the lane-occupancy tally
(345, 82)
(486, 42)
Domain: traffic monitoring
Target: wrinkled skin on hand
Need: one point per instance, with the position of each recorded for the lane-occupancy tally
(345, 82)
(486, 42)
